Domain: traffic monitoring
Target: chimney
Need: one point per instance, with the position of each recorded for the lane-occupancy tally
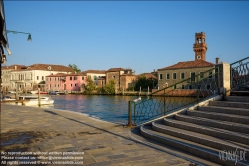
(134, 73)
(15, 67)
(217, 60)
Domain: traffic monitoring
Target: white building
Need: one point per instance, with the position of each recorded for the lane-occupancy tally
(94, 74)
(28, 78)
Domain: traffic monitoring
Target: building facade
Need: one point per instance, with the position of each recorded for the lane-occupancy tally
(25, 78)
(94, 74)
(123, 77)
(65, 82)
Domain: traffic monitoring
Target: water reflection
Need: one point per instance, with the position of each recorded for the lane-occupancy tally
(109, 108)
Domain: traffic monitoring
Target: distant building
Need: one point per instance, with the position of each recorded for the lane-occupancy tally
(94, 74)
(28, 77)
(65, 82)
(124, 78)
(189, 69)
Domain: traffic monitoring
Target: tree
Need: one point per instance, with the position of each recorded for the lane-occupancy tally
(90, 87)
(74, 67)
(110, 87)
(144, 83)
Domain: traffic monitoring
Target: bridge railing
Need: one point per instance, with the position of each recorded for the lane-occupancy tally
(183, 93)
(240, 75)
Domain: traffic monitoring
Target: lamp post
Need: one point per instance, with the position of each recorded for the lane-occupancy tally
(29, 39)
(15, 32)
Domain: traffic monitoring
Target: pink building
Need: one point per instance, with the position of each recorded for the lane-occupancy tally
(65, 82)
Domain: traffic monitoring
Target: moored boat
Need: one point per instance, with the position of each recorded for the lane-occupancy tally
(33, 100)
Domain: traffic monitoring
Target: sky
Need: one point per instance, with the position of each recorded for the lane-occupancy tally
(141, 35)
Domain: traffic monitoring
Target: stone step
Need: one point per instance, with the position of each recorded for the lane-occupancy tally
(227, 110)
(206, 140)
(219, 116)
(240, 93)
(237, 98)
(230, 104)
(211, 131)
(203, 151)
(195, 160)
(237, 127)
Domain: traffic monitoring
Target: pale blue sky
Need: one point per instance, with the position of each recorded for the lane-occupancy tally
(142, 35)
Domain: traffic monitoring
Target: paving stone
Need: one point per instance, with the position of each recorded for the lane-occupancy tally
(103, 143)
(117, 156)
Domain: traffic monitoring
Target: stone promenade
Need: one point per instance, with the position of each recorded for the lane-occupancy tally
(29, 130)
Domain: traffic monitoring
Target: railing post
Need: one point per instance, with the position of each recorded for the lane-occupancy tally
(164, 103)
(197, 88)
(129, 114)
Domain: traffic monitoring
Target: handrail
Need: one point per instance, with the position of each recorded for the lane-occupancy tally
(239, 74)
(188, 91)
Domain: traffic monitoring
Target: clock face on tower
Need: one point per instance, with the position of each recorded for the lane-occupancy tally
(198, 57)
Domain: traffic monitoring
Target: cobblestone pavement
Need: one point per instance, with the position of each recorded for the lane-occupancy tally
(35, 133)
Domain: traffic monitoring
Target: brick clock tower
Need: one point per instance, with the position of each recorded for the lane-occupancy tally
(200, 46)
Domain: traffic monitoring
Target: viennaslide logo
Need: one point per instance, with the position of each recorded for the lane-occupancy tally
(233, 155)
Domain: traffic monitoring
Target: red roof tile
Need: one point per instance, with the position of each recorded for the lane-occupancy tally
(63, 74)
(189, 64)
(94, 71)
(12, 67)
(115, 69)
(50, 67)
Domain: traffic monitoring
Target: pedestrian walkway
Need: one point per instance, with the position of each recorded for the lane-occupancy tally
(34, 129)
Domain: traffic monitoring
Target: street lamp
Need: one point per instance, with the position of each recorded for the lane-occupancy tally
(15, 32)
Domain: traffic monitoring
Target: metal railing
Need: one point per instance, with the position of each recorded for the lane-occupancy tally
(240, 75)
(174, 97)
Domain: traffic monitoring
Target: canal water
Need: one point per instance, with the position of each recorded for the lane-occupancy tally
(105, 107)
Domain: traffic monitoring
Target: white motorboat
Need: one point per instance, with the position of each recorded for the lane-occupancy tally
(34, 91)
(33, 100)
(7, 98)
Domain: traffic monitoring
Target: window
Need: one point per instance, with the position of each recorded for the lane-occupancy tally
(113, 76)
(199, 86)
(190, 87)
(82, 77)
(54, 85)
(50, 79)
(210, 75)
(75, 84)
(58, 85)
(46, 79)
(42, 78)
(55, 78)
(201, 74)
(31, 84)
(71, 79)
(75, 78)
(208, 86)
(37, 77)
(50, 85)
(174, 76)
(182, 75)
(71, 85)
(182, 86)
(168, 76)
(192, 75)
(160, 76)
(95, 77)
